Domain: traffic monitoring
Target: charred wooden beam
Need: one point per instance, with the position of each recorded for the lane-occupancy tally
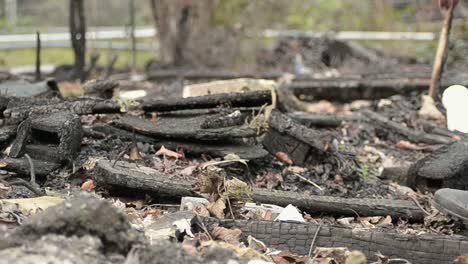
(18, 109)
(21, 166)
(410, 134)
(363, 87)
(196, 148)
(126, 175)
(425, 248)
(285, 125)
(247, 99)
(182, 128)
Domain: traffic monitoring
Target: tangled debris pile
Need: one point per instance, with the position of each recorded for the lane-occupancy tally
(228, 177)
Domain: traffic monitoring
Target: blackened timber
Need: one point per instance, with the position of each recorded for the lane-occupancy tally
(411, 134)
(182, 128)
(22, 167)
(192, 147)
(247, 99)
(129, 176)
(286, 125)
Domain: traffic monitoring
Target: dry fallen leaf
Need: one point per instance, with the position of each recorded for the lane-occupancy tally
(134, 153)
(356, 257)
(217, 208)
(168, 153)
(227, 235)
(461, 260)
(88, 185)
(283, 157)
(286, 257)
(337, 254)
(406, 145)
(31, 205)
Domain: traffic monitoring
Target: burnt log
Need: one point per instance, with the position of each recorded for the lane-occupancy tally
(446, 167)
(190, 148)
(21, 166)
(182, 128)
(126, 175)
(18, 109)
(338, 206)
(129, 176)
(373, 86)
(247, 99)
(411, 134)
(425, 248)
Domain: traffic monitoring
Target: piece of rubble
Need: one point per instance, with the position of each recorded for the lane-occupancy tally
(290, 214)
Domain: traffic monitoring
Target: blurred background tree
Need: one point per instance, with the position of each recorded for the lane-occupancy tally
(230, 30)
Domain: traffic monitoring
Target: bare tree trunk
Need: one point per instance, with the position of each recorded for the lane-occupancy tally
(164, 17)
(78, 37)
(187, 34)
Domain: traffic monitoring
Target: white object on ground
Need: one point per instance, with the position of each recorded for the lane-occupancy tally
(455, 100)
(132, 95)
(290, 214)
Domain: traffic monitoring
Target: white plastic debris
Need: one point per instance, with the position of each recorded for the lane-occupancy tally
(455, 100)
(290, 214)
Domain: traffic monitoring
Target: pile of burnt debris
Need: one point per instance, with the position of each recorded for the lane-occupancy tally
(229, 147)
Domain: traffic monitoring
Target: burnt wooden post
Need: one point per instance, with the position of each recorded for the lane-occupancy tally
(77, 23)
(38, 56)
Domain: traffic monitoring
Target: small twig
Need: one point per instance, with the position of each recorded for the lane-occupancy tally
(121, 154)
(203, 227)
(313, 239)
(228, 201)
(32, 170)
(309, 181)
(419, 205)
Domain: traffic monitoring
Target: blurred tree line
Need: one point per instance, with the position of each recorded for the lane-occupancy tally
(297, 14)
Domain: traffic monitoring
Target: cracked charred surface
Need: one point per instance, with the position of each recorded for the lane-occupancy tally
(298, 238)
